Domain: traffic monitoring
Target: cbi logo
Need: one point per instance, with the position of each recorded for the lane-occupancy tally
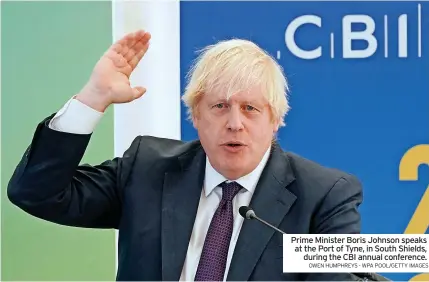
(348, 36)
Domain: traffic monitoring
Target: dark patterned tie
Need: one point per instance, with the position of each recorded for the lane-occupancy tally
(215, 251)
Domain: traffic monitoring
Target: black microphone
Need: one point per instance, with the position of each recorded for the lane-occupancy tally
(249, 213)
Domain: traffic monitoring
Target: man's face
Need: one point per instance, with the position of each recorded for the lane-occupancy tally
(235, 134)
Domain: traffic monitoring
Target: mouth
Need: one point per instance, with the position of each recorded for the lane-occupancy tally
(233, 144)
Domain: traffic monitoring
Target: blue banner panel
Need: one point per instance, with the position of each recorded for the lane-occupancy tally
(359, 78)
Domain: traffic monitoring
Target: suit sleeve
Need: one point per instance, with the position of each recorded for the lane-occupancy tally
(339, 214)
(49, 182)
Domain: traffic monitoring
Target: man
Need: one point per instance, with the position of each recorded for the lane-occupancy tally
(176, 204)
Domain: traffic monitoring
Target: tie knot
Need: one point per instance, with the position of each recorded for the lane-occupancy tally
(229, 190)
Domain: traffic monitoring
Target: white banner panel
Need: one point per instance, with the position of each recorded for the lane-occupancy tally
(157, 113)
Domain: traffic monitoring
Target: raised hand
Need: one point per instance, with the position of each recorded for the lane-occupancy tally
(109, 82)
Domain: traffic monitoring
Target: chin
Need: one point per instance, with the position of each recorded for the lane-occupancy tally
(234, 170)
(232, 174)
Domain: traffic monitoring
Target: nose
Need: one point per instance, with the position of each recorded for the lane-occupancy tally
(235, 122)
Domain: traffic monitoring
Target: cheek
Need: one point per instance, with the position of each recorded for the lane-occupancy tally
(263, 132)
(208, 130)
(212, 124)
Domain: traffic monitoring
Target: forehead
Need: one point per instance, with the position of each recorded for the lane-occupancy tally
(254, 94)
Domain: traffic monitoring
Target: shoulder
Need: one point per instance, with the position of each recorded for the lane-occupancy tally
(331, 195)
(317, 178)
(158, 151)
(311, 169)
(165, 147)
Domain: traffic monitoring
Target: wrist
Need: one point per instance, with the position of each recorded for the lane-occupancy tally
(93, 100)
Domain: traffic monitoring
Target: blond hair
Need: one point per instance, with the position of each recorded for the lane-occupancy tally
(236, 65)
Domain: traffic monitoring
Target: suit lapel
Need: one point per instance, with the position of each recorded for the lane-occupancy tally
(181, 195)
(271, 201)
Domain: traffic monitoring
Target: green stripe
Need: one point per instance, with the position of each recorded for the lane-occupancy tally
(48, 51)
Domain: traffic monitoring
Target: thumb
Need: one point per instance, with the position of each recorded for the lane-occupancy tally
(138, 91)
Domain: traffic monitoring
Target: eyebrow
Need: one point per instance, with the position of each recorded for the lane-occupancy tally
(256, 103)
(259, 104)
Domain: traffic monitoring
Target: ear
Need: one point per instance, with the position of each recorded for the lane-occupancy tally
(275, 121)
(195, 118)
(194, 121)
(195, 113)
(276, 125)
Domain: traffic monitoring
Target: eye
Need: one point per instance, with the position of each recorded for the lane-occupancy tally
(249, 108)
(219, 106)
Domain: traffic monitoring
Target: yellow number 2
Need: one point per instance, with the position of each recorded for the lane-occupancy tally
(408, 171)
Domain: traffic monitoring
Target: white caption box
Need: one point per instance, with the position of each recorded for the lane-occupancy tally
(403, 253)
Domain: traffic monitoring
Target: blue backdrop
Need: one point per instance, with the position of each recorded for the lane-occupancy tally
(358, 113)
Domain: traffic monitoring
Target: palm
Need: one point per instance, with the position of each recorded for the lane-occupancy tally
(111, 73)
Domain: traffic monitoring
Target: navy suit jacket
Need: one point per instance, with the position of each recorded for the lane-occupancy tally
(151, 196)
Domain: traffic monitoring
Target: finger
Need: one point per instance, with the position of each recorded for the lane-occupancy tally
(134, 49)
(136, 59)
(120, 49)
(131, 52)
(123, 45)
(146, 37)
(127, 46)
(138, 91)
(129, 37)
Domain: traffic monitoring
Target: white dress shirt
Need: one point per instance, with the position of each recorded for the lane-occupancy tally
(76, 117)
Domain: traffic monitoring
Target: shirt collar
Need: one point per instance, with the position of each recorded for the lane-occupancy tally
(249, 181)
